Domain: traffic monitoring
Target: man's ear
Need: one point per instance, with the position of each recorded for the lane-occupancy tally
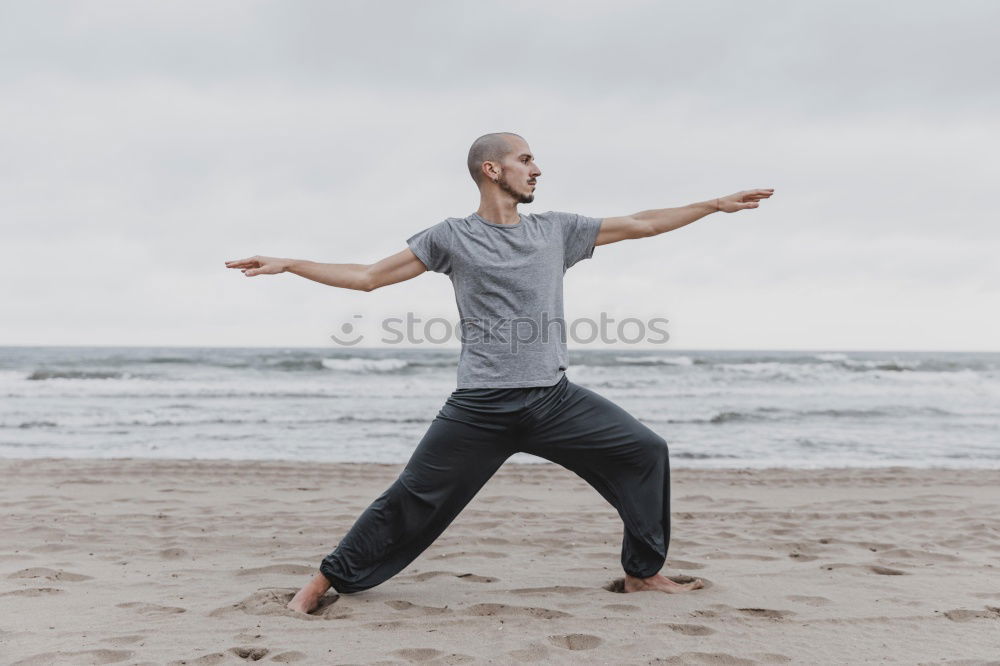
(491, 171)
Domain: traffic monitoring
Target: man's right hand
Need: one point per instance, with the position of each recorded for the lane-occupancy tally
(257, 265)
(395, 268)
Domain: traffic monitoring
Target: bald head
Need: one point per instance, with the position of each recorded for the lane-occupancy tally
(489, 148)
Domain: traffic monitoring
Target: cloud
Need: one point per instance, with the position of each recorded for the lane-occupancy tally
(146, 144)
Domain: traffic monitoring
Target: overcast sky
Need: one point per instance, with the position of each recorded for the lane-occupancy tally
(144, 144)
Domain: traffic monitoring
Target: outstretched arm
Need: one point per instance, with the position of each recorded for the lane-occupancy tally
(653, 222)
(364, 277)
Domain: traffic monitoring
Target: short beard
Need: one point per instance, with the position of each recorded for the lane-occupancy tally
(518, 197)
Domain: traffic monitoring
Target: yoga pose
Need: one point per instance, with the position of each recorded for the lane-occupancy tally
(512, 392)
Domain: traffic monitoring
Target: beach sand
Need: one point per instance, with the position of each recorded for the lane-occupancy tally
(181, 561)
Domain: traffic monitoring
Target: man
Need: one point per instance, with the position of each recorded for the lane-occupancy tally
(512, 393)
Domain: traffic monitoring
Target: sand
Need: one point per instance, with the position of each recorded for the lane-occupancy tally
(153, 562)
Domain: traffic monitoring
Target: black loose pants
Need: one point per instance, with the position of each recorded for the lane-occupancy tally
(473, 434)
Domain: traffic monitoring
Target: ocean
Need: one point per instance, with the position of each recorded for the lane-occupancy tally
(718, 409)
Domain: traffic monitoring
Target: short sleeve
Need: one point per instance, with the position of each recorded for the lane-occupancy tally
(579, 234)
(433, 247)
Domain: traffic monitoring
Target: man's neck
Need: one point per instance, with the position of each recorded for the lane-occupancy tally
(499, 213)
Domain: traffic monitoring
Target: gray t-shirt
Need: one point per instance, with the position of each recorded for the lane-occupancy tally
(508, 288)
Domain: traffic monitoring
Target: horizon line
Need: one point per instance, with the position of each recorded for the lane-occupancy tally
(457, 349)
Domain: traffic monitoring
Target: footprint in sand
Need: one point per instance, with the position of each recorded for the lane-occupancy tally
(965, 615)
(78, 657)
(523, 611)
(721, 610)
(533, 653)
(427, 654)
(250, 653)
(172, 553)
(768, 613)
(49, 574)
(626, 608)
(127, 639)
(690, 629)
(417, 609)
(473, 578)
(154, 610)
(809, 601)
(32, 592)
(576, 641)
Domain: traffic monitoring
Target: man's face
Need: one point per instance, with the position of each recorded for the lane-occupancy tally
(519, 172)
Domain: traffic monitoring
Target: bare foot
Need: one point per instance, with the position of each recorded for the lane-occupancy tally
(660, 583)
(306, 599)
